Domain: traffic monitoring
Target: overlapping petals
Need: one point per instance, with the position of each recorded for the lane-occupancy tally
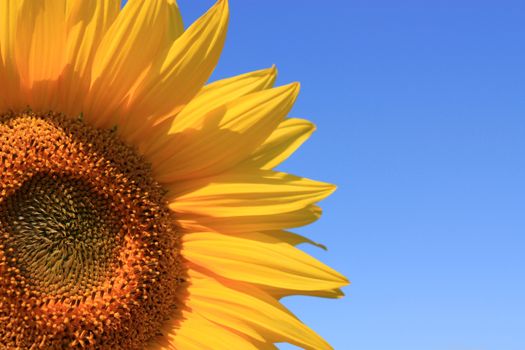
(248, 310)
(217, 140)
(257, 259)
(212, 147)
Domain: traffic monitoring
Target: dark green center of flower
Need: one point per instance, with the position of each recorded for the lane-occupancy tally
(89, 251)
(60, 233)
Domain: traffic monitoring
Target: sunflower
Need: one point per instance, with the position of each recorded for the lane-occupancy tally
(139, 208)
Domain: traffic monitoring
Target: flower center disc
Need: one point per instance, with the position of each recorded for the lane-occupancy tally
(89, 253)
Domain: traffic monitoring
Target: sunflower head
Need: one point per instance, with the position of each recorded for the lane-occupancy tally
(139, 207)
(89, 250)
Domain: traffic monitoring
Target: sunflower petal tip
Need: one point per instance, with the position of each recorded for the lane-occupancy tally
(296, 87)
(271, 74)
(341, 280)
(308, 126)
(291, 90)
(273, 71)
(328, 189)
(224, 5)
(220, 10)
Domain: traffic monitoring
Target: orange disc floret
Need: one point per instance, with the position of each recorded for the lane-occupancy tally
(89, 252)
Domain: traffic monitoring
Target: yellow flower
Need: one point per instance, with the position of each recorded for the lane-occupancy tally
(138, 207)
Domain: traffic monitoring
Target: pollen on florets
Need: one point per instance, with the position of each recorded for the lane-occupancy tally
(89, 252)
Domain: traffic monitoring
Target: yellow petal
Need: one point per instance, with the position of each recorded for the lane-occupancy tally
(40, 50)
(175, 24)
(234, 87)
(280, 236)
(250, 193)
(180, 74)
(87, 22)
(9, 79)
(186, 332)
(9, 17)
(259, 260)
(242, 224)
(221, 92)
(233, 304)
(209, 98)
(225, 136)
(289, 136)
(124, 56)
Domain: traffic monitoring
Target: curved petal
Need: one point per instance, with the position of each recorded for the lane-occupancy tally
(285, 140)
(87, 22)
(256, 259)
(188, 333)
(180, 74)
(225, 136)
(280, 236)
(9, 78)
(247, 223)
(238, 304)
(175, 24)
(160, 145)
(124, 56)
(210, 97)
(253, 193)
(40, 50)
(247, 201)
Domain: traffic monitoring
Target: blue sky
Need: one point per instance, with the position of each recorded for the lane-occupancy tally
(420, 111)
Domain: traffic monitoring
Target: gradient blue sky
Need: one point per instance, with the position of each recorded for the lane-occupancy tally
(420, 108)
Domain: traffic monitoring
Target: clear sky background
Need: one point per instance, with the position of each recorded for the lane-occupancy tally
(420, 108)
